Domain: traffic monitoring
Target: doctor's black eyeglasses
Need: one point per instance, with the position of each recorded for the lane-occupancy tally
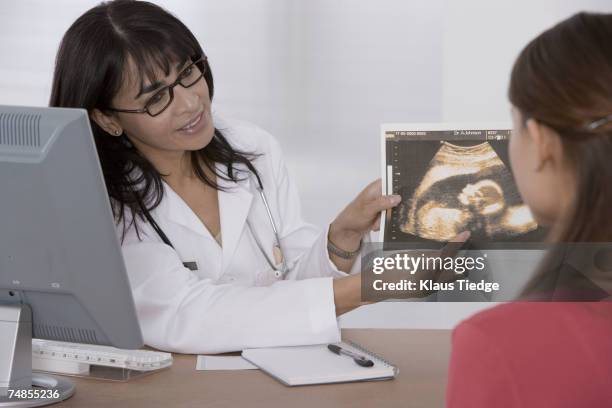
(163, 97)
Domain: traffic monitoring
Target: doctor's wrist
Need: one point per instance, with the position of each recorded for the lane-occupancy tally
(343, 239)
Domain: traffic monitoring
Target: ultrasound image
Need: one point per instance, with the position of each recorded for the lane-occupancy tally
(449, 186)
(465, 188)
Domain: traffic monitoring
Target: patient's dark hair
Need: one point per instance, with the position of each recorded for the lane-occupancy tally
(92, 64)
(563, 79)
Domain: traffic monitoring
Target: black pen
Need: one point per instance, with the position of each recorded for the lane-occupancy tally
(361, 360)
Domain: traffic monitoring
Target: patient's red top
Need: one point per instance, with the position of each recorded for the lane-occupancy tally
(533, 354)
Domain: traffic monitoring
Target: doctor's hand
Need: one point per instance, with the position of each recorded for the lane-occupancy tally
(361, 216)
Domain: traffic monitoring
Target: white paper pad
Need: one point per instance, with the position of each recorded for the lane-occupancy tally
(223, 363)
(315, 364)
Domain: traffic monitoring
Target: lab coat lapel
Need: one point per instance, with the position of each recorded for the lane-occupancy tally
(179, 212)
(234, 207)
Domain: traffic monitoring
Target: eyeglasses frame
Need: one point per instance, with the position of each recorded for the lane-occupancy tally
(170, 88)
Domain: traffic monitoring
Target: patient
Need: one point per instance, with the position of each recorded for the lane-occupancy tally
(552, 354)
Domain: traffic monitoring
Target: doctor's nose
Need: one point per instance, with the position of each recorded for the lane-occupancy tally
(187, 100)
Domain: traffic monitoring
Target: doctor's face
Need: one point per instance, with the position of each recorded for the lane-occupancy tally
(185, 125)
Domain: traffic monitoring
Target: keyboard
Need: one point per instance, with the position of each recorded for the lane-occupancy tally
(74, 358)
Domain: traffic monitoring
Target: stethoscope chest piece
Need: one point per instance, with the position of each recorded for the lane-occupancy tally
(278, 254)
(278, 262)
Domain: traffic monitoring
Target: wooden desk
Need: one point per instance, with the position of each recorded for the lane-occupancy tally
(421, 355)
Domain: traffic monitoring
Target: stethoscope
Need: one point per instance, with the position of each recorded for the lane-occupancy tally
(279, 272)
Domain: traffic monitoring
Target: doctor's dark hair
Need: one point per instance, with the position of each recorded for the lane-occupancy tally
(563, 79)
(90, 67)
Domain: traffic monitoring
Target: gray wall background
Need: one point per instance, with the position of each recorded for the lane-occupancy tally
(322, 76)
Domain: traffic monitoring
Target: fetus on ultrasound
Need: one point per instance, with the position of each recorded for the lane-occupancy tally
(466, 188)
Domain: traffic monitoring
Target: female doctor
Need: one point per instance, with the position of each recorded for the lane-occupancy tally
(218, 256)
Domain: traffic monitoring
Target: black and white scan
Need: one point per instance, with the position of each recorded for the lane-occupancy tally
(451, 181)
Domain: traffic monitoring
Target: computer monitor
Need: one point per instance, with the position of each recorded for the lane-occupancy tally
(62, 275)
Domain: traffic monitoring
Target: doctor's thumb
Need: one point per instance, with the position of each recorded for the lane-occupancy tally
(385, 202)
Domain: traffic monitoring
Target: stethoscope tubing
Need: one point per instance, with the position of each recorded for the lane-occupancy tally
(281, 273)
(262, 194)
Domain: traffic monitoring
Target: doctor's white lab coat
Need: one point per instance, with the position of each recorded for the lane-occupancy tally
(233, 300)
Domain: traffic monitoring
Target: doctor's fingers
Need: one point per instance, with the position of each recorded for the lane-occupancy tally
(375, 220)
(371, 194)
(372, 190)
(376, 225)
(382, 203)
(455, 244)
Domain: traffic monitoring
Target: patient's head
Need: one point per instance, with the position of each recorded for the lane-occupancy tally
(561, 146)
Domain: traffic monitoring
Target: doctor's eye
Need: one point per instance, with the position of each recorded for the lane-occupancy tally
(187, 72)
(159, 102)
(156, 98)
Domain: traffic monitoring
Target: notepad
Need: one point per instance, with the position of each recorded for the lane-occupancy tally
(307, 365)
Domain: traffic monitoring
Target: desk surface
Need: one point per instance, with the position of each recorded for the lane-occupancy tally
(421, 355)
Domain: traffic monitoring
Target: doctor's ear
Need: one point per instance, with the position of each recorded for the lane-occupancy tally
(547, 144)
(107, 122)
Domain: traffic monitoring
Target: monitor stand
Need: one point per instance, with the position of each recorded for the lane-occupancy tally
(18, 386)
